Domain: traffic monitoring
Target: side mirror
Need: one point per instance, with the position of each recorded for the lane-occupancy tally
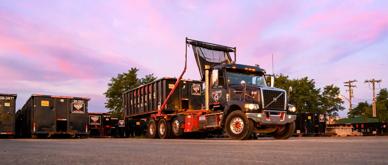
(289, 92)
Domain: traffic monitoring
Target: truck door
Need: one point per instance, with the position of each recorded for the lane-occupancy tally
(217, 90)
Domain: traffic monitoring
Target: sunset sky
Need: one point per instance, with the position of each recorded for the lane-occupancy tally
(74, 47)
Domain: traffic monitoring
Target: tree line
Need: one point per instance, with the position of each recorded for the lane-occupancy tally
(364, 109)
(308, 98)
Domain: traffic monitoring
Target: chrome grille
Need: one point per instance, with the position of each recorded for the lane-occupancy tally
(269, 101)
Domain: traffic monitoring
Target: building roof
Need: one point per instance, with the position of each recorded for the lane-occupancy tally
(357, 120)
(6, 94)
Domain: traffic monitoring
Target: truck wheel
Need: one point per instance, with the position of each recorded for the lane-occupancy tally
(176, 127)
(237, 125)
(164, 129)
(151, 128)
(285, 133)
(251, 131)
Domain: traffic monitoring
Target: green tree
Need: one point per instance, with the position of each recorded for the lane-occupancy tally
(382, 105)
(304, 94)
(329, 100)
(147, 79)
(121, 83)
(308, 98)
(362, 109)
(283, 82)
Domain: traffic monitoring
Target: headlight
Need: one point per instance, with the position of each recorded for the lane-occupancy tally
(291, 108)
(251, 106)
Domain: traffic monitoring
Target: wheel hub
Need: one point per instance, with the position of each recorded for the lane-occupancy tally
(237, 125)
(152, 129)
(175, 126)
(162, 129)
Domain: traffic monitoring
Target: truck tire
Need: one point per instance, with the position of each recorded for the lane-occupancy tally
(176, 127)
(237, 125)
(251, 131)
(164, 129)
(285, 133)
(151, 129)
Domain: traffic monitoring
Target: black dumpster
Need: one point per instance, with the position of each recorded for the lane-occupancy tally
(7, 114)
(95, 125)
(310, 124)
(45, 115)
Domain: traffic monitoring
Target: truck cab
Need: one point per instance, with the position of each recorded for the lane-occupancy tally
(242, 91)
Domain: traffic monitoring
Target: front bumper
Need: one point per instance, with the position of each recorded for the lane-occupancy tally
(265, 119)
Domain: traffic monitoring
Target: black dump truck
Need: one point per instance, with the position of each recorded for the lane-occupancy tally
(45, 116)
(230, 97)
(7, 114)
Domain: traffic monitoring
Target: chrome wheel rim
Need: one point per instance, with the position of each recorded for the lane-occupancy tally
(175, 126)
(162, 128)
(237, 125)
(152, 129)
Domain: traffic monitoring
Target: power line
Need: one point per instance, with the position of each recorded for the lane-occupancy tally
(350, 86)
(373, 82)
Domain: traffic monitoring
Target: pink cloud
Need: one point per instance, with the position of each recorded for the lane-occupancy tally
(349, 30)
(252, 29)
(51, 50)
(351, 25)
(9, 73)
(157, 24)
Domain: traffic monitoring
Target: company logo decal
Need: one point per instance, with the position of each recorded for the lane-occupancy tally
(196, 89)
(95, 120)
(216, 95)
(121, 123)
(78, 106)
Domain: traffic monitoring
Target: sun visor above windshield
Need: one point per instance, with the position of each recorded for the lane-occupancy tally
(210, 54)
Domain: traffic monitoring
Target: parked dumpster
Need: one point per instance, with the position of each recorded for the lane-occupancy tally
(45, 115)
(7, 115)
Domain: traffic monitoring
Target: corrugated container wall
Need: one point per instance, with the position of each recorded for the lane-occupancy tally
(146, 99)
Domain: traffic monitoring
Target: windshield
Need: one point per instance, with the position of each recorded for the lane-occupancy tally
(254, 79)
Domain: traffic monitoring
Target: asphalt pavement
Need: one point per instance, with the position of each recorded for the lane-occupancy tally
(304, 150)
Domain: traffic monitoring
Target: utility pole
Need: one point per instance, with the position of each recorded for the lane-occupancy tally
(373, 82)
(350, 86)
(273, 72)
